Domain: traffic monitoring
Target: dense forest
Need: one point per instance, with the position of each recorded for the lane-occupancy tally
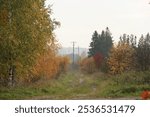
(30, 63)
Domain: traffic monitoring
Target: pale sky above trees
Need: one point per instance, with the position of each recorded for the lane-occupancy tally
(80, 18)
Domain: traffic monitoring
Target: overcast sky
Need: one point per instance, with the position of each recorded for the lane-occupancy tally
(80, 18)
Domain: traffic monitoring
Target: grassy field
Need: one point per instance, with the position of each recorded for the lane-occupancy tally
(76, 85)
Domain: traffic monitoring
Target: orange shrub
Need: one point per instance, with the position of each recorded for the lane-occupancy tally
(145, 95)
(121, 58)
(88, 65)
(63, 63)
(49, 65)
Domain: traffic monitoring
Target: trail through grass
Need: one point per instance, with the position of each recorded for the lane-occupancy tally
(75, 85)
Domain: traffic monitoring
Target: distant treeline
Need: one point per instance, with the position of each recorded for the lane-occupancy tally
(126, 55)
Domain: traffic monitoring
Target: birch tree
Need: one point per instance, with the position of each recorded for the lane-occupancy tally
(26, 30)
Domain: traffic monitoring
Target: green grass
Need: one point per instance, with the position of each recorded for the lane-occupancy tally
(129, 84)
(75, 85)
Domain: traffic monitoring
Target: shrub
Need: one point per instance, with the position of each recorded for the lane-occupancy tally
(138, 78)
(98, 58)
(145, 95)
(121, 58)
(88, 65)
(49, 66)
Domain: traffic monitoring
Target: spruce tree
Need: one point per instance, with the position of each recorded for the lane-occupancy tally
(143, 53)
(101, 43)
(93, 49)
(108, 42)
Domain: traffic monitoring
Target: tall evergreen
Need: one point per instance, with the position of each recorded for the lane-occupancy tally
(108, 42)
(101, 43)
(143, 53)
(93, 44)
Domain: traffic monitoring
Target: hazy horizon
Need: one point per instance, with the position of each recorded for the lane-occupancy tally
(80, 18)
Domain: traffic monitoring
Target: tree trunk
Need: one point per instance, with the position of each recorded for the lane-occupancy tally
(11, 76)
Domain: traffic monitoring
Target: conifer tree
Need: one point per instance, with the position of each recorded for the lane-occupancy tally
(93, 44)
(143, 53)
(101, 43)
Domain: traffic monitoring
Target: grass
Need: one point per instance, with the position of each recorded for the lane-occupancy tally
(75, 85)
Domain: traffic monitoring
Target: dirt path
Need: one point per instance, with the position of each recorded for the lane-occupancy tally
(78, 80)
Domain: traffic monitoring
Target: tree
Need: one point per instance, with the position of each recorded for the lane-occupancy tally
(143, 53)
(98, 58)
(108, 42)
(26, 30)
(49, 65)
(101, 43)
(93, 48)
(128, 39)
(121, 57)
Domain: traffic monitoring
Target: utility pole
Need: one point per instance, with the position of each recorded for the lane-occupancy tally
(73, 52)
(78, 51)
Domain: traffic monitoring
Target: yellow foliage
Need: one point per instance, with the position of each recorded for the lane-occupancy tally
(49, 65)
(121, 58)
(63, 63)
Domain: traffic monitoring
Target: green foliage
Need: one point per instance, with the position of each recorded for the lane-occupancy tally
(128, 84)
(26, 30)
(92, 49)
(128, 39)
(104, 66)
(75, 85)
(138, 78)
(101, 43)
(143, 53)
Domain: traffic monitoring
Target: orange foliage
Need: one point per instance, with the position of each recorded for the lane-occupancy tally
(3, 17)
(49, 65)
(63, 63)
(88, 65)
(121, 58)
(145, 95)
